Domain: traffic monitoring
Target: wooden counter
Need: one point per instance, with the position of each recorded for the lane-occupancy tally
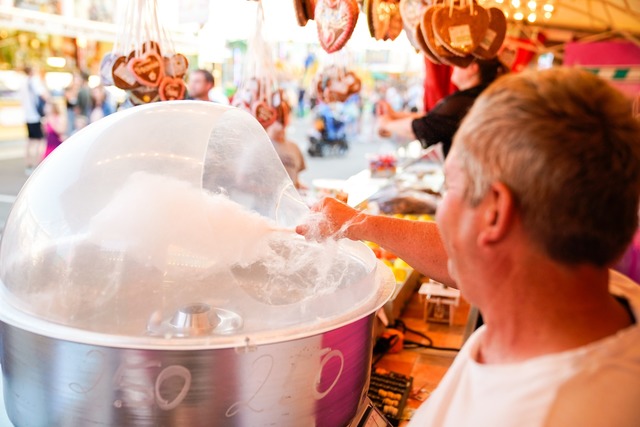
(426, 366)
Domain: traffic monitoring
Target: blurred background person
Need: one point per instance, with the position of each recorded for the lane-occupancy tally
(201, 87)
(102, 105)
(441, 123)
(199, 84)
(78, 100)
(80, 122)
(287, 150)
(33, 95)
(55, 126)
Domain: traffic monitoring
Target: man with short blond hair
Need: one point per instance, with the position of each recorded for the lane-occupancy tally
(542, 192)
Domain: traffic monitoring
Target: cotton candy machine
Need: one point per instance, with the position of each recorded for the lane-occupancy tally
(150, 277)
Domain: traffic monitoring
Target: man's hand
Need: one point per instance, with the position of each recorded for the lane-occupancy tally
(330, 218)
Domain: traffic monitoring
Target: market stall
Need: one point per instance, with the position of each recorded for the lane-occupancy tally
(151, 263)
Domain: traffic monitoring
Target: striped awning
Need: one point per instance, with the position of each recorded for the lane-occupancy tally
(623, 73)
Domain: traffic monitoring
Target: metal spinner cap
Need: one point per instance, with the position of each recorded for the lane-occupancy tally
(195, 320)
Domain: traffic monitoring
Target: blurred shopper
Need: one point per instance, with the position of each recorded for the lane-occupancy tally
(201, 87)
(33, 96)
(102, 105)
(199, 84)
(441, 123)
(80, 122)
(85, 103)
(55, 125)
(543, 185)
(287, 150)
(78, 100)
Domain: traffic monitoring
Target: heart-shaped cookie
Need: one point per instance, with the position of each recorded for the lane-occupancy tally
(367, 9)
(424, 48)
(151, 46)
(171, 88)
(265, 114)
(459, 29)
(435, 46)
(336, 21)
(411, 12)
(176, 65)
(106, 68)
(494, 37)
(122, 76)
(354, 82)
(144, 95)
(386, 19)
(148, 69)
(310, 7)
(301, 12)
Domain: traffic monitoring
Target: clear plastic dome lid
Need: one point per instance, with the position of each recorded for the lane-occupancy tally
(174, 220)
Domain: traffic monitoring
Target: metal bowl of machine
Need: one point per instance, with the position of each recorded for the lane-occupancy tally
(149, 277)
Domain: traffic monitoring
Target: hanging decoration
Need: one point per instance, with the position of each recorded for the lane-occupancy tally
(305, 10)
(411, 12)
(336, 20)
(258, 93)
(336, 83)
(383, 18)
(456, 34)
(143, 60)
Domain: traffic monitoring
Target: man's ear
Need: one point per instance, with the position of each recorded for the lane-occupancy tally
(498, 214)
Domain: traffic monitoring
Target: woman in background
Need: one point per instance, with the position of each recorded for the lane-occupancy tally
(442, 121)
(287, 150)
(55, 125)
(102, 105)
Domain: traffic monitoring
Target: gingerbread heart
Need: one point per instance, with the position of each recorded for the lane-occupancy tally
(386, 19)
(171, 88)
(265, 114)
(148, 69)
(459, 29)
(424, 48)
(320, 89)
(411, 12)
(494, 37)
(336, 21)
(144, 95)
(176, 65)
(395, 21)
(354, 82)
(301, 12)
(367, 9)
(106, 68)
(310, 7)
(151, 46)
(122, 76)
(426, 26)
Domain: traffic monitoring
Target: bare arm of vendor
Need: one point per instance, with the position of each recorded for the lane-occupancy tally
(423, 250)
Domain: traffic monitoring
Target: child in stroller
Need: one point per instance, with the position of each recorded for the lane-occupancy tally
(329, 136)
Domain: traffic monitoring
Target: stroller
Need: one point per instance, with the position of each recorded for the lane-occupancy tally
(329, 136)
